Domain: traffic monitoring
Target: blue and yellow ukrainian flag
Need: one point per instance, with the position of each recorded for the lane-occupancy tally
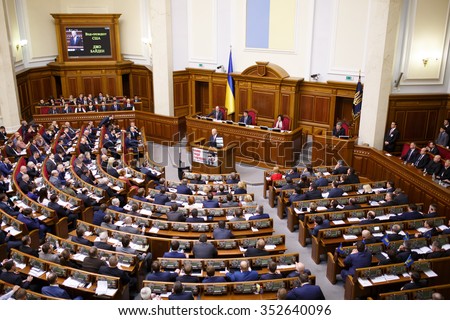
(229, 96)
(409, 261)
(357, 100)
(385, 240)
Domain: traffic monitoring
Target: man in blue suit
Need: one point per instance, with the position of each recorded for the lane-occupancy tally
(158, 275)
(259, 214)
(244, 274)
(358, 258)
(210, 276)
(312, 194)
(305, 291)
(411, 214)
(174, 253)
(5, 166)
(210, 202)
(183, 188)
(246, 118)
(179, 294)
(53, 289)
(221, 232)
(216, 114)
(335, 191)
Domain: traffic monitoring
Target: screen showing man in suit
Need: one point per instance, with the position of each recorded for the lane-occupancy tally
(75, 39)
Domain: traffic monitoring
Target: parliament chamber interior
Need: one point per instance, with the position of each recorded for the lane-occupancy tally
(224, 150)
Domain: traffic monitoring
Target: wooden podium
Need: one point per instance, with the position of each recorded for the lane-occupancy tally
(211, 160)
(327, 150)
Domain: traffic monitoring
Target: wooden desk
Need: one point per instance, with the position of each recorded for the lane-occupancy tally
(327, 150)
(255, 146)
(225, 158)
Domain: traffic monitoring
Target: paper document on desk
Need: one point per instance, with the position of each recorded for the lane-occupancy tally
(446, 246)
(12, 231)
(138, 180)
(153, 230)
(350, 236)
(102, 287)
(255, 229)
(378, 279)
(320, 208)
(270, 246)
(242, 249)
(391, 277)
(79, 257)
(326, 174)
(443, 227)
(355, 219)
(127, 207)
(20, 265)
(72, 283)
(430, 273)
(35, 272)
(378, 234)
(364, 282)
(374, 203)
(146, 212)
(338, 222)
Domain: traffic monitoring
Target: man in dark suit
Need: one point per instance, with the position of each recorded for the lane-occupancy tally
(358, 258)
(5, 166)
(335, 191)
(339, 168)
(174, 214)
(210, 202)
(115, 106)
(213, 138)
(321, 181)
(258, 250)
(92, 263)
(230, 202)
(395, 236)
(25, 247)
(79, 238)
(53, 289)
(204, 250)
(51, 164)
(194, 218)
(312, 194)
(273, 273)
(174, 253)
(259, 214)
(389, 200)
(161, 197)
(179, 294)
(183, 188)
(173, 200)
(434, 166)
(352, 205)
(305, 291)
(216, 114)
(391, 138)
(103, 243)
(404, 251)
(187, 276)
(244, 274)
(319, 223)
(411, 214)
(221, 232)
(400, 197)
(113, 170)
(63, 211)
(370, 218)
(11, 275)
(233, 178)
(246, 118)
(293, 173)
(113, 271)
(444, 175)
(76, 40)
(352, 178)
(106, 121)
(157, 275)
(411, 155)
(338, 130)
(422, 159)
(210, 276)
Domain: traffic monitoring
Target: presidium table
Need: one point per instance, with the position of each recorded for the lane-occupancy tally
(254, 144)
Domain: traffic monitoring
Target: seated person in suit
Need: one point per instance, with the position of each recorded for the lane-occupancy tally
(367, 237)
(103, 242)
(411, 214)
(444, 175)
(210, 202)
(178, 292)
(115, 205)
(161, 197)
(415, 282)
(157, 275)
(246, 118)
(46, 253)
(319, 224)
(436, 251)
(174, 253)
(273, 272)
(244, 274)
(92, 262)
(113, 270)
(183, 188)
(203, 249)
(432, 231)
(216, 114)
(186, 274)
(210, 276)
(79, 238)
(431, 148)
(338, 130)
(339, 168)
(230, 202)
(313, 193)
(335, 191)
(333, 206)
(395, 236)
(289, 184)
(259, 214)
(221, 232)
(174, 214)
(405, 250)
(411, 155)
(276, 174)
(233, 178)
(321, 181)
(258, 250)
(305, 291)
(194, 218)
(128, 226)
(358, 258)
(293, 173)
(352, 178)
(370, 218)
(352, 205)
(434, 166)
(421, 159)
(12, 276)
(388, 200)
(238, 215)
(53, 289)
(26, 246)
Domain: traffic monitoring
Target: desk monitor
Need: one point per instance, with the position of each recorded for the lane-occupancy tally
(344, 137)
(161, 225)
(229, 121)
(262, 224)
(209, 119)
(217, 264)
(170, 264)
(196, 264)
(36, 264)
(126, 259)
(215, 290)
(181, 227)
(264, 128)
(191, 288)
(226, 244)
(248, 243)
(276, 129)
(287, 260)
(275, 240)
(260, 263)
(158, 288)
(245, 288)
(80, 277)
(242, 124)
(273, 286)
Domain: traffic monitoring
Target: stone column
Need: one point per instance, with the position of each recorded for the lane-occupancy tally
(9, 102)
(162, 56)
(381, 39)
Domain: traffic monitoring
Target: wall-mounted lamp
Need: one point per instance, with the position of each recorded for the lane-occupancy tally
(315, 76)
(22, 43)
(221, 68)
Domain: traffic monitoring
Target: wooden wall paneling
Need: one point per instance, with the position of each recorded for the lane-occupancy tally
(322, 110)
(218, 94)
(306, 107)
(264, 102)
(36, 90)
(111, 86)
(285, 105)
(72, 87)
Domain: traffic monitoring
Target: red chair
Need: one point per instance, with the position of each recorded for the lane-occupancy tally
(254, 114)
(345, 126)
(224, 112)
(286, 123)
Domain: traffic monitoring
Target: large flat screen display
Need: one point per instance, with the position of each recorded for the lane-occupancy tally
(88, 42)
